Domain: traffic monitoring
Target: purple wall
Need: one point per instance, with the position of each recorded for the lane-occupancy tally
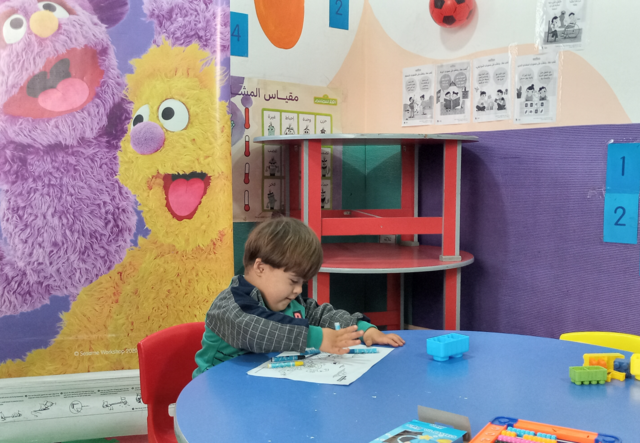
(532, 204)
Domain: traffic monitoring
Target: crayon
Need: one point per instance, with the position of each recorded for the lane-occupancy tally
(285, 364)
(336, 326)
(290, 357)
(363, 351)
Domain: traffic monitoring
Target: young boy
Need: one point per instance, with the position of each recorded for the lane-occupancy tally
(262, 310)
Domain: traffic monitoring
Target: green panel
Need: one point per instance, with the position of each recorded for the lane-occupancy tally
(241, 232)
(353, 177)
(383, 177)
(350, 239)
(359, 292)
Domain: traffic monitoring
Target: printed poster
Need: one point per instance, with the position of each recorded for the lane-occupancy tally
(452, 97)
(417, 95)
(536, 88)
(492, 100)
(268, 108)
(561, 24)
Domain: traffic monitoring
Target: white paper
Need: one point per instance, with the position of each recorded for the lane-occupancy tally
(492, 88)
(325, 368)
(561, 24)
(417, 95)
(452, 96)
(536, 88)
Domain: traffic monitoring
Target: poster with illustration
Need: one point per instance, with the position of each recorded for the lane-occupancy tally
(561, 24)
(537, 88)
(452, 95)
(267, 108)
(273, 161)
(417, 95)
(491, 88)
(273, 195)
(327, 163)
(325, 190)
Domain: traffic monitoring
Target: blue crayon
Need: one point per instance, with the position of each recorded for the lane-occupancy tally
(285, 364)
(336, 326)
(290, 357)
(363, 351)
(311, 352)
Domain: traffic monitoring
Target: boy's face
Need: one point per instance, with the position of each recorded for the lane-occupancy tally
(278, 287)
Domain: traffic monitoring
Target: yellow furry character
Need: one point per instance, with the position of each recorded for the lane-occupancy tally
(176, 158)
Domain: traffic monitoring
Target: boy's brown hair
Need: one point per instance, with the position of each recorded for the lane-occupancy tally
(285, 243)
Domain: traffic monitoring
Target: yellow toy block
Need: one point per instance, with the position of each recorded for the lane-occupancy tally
(635, 366)
(606, 361)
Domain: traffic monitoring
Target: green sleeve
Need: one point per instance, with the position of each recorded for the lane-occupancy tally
(314, 337)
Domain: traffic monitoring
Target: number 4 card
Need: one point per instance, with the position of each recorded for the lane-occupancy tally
(621, 197)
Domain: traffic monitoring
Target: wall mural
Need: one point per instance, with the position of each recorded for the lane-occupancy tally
(79, 143)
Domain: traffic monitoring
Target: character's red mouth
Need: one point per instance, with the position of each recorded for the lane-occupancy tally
(66, 83)
(184, 193)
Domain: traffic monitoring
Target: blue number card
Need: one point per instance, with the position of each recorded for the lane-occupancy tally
(239, 34)
(339, 14)
(623, 190)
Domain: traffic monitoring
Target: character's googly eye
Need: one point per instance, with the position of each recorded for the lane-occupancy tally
(142, 115)
(54, 8)
(14, 28)
(173, 115)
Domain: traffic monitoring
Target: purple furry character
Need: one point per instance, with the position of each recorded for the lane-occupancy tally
(65, 218)
(182, 23)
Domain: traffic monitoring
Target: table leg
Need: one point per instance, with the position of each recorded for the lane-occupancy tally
(451, 202)
(393, 300)
(452, 299)
(323, 285)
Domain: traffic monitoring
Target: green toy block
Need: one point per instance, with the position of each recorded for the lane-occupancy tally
(588, 374)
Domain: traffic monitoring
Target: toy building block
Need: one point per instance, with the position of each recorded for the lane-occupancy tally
(635, 366)
(623, 366)
(606, 360)
(588, 375)
(445, 346)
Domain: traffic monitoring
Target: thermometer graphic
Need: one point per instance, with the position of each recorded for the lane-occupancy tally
(246, 173)
(247, 152)
(247, 208)
(247, 124)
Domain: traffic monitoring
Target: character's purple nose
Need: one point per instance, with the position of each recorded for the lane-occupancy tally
(147, 138)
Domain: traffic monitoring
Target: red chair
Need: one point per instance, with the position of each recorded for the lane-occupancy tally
(166, 364)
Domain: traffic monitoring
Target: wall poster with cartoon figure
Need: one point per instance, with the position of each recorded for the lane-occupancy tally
(115, 168)
(492, 100)
(267, 108)
(537, 88)
(452, 96)
(417, 95)
(561, 24)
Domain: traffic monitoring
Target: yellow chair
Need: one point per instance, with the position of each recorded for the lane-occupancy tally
(616, 340)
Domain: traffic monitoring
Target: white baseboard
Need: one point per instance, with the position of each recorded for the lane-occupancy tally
(71, 407)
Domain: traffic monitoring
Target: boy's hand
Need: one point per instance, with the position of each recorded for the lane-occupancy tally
(374, 337)
(338, 342)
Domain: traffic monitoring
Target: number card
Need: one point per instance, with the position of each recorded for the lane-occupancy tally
(621, 218)
(339, 14)
(239, 34)
(623, 168)
(623, 190)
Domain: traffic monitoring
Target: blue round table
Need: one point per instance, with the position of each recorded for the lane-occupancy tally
(502, 375)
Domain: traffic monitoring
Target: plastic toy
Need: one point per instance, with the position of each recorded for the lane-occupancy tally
(513, 430)
(451, 13)
(607, 362)
(623, 366)
(588, 374)
(445, 346)
(635, 366)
